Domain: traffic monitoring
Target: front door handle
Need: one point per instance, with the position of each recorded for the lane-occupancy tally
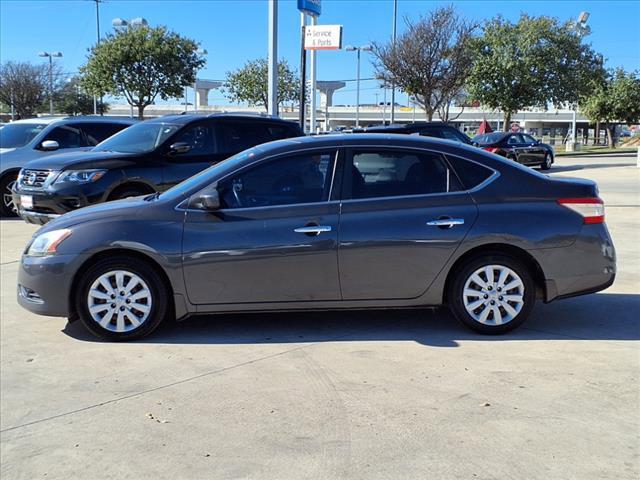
(447, 222)
(313, 229)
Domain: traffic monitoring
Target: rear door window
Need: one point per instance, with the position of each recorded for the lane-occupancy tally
(238, 135)
(278, 132)
(97, 132)
(393, 173)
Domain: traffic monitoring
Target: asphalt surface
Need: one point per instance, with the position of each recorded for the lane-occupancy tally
(358, 395)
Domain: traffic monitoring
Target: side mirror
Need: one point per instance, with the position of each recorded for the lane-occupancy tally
(49, 145)
(209, 201)
(475, 144)
(178, 148)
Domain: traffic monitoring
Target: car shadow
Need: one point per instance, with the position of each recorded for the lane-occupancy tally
(604, 316)
(587, 166)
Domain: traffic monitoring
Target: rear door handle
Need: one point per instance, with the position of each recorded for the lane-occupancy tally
(313, 229)
(446, 222)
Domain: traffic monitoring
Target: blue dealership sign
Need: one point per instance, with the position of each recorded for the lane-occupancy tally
(310, 7)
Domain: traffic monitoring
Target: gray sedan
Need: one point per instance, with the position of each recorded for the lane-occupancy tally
(333, 222)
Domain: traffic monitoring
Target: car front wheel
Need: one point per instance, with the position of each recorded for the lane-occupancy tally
(548, 160)
(121, 299)
(7, 207)
(492, 294)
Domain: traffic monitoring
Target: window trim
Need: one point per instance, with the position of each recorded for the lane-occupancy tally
(183, 205)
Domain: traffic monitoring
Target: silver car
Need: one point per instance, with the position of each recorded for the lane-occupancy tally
(26, 140)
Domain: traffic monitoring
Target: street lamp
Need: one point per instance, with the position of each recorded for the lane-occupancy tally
(50, 55)
(135, 22)
(351, 48)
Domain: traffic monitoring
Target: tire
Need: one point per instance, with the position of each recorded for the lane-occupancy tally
(126, 193)
(548, 161)
(143, 308)
(503, 315)
(7, 208)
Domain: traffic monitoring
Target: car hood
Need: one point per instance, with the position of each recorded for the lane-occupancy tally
(4, 151)
(126, 208)
(82, 160)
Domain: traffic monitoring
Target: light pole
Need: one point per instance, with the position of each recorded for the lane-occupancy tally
(581, 29)
(50, 55)
(351, 48)
(393, 86)
(119, 24)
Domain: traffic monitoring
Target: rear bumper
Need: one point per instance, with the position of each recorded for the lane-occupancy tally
(587, 266)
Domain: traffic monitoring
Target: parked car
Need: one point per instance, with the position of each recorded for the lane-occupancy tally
(519, 147)
(327, 222)
(426, 129)
(25, 140)
(146, 158)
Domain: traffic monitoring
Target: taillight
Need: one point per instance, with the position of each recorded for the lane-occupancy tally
(591, 209)
(491, 149)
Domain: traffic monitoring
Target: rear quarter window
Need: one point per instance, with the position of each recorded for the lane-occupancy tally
(471, 174)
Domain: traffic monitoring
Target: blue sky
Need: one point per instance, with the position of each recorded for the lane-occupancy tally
(234, 31)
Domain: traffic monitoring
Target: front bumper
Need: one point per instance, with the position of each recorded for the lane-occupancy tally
(44, 283)
(49, 203)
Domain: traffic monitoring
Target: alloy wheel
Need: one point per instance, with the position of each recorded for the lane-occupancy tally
(119, 301)
(7, 198)
(493, 295)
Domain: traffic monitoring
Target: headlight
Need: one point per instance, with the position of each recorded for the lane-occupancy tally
(47, 243)
(80, 176)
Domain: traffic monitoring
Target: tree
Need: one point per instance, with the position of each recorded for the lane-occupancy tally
(430, 60)
(530, 64)
(24, 85)
(141, 63)
(72, 100)
(617, 99)
(250, 83)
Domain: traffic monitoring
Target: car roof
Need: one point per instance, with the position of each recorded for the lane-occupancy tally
(407, 126)
(191, 117)
(84, 118)
(360, 140)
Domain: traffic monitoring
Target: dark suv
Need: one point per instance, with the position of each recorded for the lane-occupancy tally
(425, 129)
(145, 158)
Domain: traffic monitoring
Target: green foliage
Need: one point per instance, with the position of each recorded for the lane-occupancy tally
(615, 99)
(532, 63)
(72, 100)
(142, 63)
(250, 83)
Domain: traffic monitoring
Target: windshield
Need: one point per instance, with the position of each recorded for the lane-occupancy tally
(488, 138)
(141, 138)
(17, 135)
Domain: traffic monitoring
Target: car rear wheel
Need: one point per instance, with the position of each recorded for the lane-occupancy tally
(492, 294)
(7, 207)
(121, 299)
(548, 160)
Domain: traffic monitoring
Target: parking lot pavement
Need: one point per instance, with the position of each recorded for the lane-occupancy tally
(389, 394)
